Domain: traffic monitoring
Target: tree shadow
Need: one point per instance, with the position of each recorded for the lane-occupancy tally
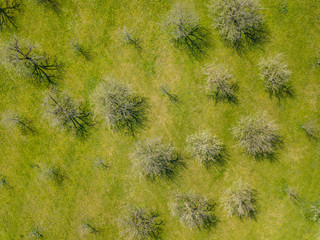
(293, 195)
(196, 41)
(25, 125)
(44, 69)
(270, 156)
(283, 95)
(57, 175)
(172, 97)
(170, 173)
(51, 4)
(231, 99)
(220, 164)
(82, 51)
(8, 9)
(253, 38)
(311, 129)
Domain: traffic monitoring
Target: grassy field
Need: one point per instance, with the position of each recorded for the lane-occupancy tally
(100, 196)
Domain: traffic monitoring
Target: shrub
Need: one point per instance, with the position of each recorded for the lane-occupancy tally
(208, 150)
(8, 9)
(42, 68)
(62, 110)
(312, 211)
(194, 210)
(220, 86)
(4, 181)
(141, 223)
(240, 201)
(129, 38)
(258, 136)
(315, 210)
(239, 23)
(155, 159)
(36, 233)
(276, 75)
(120, 107)
(185, 30)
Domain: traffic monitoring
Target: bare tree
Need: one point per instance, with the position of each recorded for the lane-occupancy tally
(276, 75)
(62, 110)
(312, 129)
(293, 195)
(155, 159)
(129, 38)
(56, 175)
(186, 32)
(207, 149)
(258, 136)
(239, 23)
(89, 228)
(82, 51)
(172, 97)
(141, 223)
(12, 119)
(123, 109)
(240, 200)
(44, 69)
(8, 9)
(194, 210)
(220, 85)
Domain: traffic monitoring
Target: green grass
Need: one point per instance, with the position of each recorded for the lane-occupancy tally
(101, 196)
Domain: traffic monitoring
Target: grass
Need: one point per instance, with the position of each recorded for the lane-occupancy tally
(101, 195)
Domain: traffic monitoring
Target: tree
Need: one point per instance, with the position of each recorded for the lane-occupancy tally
(194, 210)
(62, 110)
(240, 200)
(258, 136)
(122, 109)
(43, 69)
(186, 33)
(141, 223)
(8, 9)
(239, 23)
(220, 86)
(208, 150)
(276, 76)
(154, 159)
